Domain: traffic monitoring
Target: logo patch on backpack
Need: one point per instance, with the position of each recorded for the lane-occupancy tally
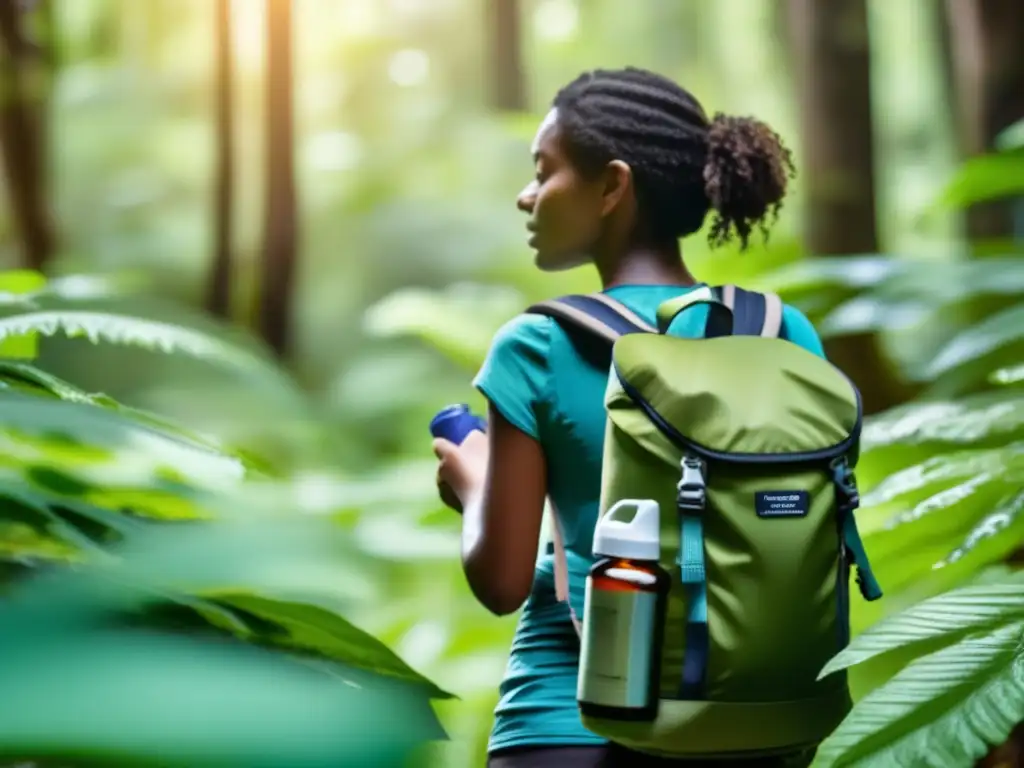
(781, 503)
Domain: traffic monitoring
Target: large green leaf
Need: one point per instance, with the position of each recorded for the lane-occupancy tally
(944, 710)
(190, 701)
(986, 177)
(918, 482)
(135, 698)
(309, 627)
(134, 331)
(1000, 531)
(951, 615)
(31, 379)
(82, 436)
(922, 292)
(987, 336)
(969, 420)
(1012, 375)
(946, 517)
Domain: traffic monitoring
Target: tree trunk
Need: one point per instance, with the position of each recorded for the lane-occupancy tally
(23, 90)
(280, 230)
(832, 60)
(218, 298)
(508, 86)
(987, 41)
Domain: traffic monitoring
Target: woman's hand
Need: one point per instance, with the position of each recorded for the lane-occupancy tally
(462, 469)
(498, 481)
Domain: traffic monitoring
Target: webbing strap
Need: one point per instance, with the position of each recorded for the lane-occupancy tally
(848, 500)
(596, 313)
(869, 586)
(593, 322)
(691, 502)
(599, 319)
(694, 577)
(562, 569)
(754, 314)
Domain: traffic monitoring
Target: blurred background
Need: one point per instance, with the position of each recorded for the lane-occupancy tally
(289, 226)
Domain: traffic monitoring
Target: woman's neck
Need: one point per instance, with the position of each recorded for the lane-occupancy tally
(645, 265)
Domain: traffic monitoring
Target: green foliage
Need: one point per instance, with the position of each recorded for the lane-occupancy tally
(947, 707)
(146, 568)
(942, 672)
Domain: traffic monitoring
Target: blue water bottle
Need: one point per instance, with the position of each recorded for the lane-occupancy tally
(455, 422)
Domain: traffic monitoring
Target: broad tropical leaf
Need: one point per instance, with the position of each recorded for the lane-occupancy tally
(134, 331)
(944, 710)
(991, 415)
(192, 700)
(986, 177)
(951, 615)
(919, 290)
(137, 698)
(305, 626)
(29, 378)
(84, 436)
(975, 342)
(1011, 375)
(1000, 532)
(916, 483)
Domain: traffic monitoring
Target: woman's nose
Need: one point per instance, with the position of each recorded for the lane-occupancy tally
(527, 198)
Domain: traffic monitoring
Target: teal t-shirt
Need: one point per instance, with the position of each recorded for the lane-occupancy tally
(535, 378)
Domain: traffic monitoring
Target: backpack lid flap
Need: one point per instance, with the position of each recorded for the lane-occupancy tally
(732, 395)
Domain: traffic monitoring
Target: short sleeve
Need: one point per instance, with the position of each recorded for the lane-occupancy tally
(799, 330)
(515, 374)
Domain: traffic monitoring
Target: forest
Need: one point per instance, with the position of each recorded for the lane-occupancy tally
(250, 247)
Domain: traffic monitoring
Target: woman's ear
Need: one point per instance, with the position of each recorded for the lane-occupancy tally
(618, 186)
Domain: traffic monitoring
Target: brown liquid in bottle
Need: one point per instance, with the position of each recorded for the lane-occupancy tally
(626, 604)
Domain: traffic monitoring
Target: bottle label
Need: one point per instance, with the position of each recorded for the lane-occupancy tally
(617, 644)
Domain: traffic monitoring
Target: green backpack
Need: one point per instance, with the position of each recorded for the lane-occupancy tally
(748, 443)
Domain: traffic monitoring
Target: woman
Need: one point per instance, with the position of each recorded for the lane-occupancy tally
(627, 163)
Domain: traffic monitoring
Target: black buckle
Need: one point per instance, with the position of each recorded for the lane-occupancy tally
(846, 485)
(690, 490)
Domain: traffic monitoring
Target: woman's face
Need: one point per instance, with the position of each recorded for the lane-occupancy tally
(566, 209)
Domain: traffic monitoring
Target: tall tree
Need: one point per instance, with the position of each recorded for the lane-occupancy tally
(831, 52)
(218, 297)
(986, 39)
(508, 86)
(24, 81)
(280, 226)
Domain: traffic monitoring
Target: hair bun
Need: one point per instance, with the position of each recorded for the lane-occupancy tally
(745, 177)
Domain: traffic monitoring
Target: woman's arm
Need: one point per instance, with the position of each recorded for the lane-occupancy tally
(501, 482)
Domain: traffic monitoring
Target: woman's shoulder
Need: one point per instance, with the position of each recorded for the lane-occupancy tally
(524, 328)
(797, 328)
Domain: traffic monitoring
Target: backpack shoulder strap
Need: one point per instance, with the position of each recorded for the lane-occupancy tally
(595, 313)
(593, 322)
(754, 314)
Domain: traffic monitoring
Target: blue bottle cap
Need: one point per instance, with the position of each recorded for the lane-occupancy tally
(455, 422)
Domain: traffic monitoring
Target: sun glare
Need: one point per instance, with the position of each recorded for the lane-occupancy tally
(249, 21)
